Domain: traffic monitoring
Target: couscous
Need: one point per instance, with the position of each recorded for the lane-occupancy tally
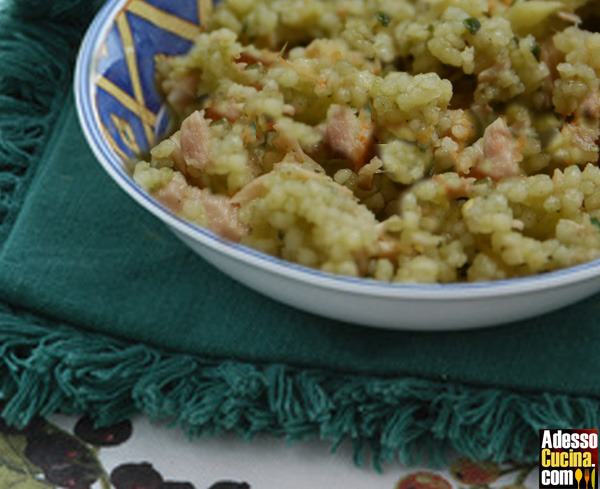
(400, 140)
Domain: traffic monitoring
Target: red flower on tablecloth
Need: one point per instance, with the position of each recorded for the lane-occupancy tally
(423, 480)
(44, 456)
(472, 473)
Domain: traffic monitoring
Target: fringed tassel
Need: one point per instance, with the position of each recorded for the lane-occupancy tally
(46, 368)
(73, 14)
(38, 42)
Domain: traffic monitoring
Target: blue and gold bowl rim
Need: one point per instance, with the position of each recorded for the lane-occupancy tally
(131, 112)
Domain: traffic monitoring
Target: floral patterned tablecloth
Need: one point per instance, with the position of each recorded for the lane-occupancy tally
(68, 452)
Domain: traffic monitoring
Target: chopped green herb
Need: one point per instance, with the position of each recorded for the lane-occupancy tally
(472, 25)
(595, 222)
(422, 148)
(383, 18)
(254, 66)
(536, 51)
(430, 27)
(280, 235)
(484, 180)
(223, 120)
(366, 113)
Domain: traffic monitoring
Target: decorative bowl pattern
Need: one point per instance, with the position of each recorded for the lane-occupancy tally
(122, 114)
(131, 112)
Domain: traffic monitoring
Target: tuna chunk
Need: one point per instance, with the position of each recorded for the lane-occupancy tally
(584, 130)
(224, 109)
(501, 153)
(182, 91)
(221, 214)
(195, 140)
(348, 135)
(253, 55)
(589, 109)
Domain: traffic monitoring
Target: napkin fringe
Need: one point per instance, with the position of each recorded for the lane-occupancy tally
(46, 368)
(38, 41)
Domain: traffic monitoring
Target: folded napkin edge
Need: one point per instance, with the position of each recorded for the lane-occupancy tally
(46, 368)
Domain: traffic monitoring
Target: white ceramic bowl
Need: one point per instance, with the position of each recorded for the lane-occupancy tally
(110, 120)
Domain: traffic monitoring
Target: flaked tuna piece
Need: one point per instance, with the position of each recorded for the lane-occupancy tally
(285, 141)
(348, 135)
(292, 171)
(182, 91)
(334, 50)
(195, 140)
(223, 216)
(367, 173)
(170, 149)
(295, 137)
(255, 188)
(172, 194)
(219, 213)
(501, 153)
(570, 17)
(456, 187)
(177, 158)
(224, 109)
(589, 109)
(251, 191)
(552, 57)
(499, 82)
(253, 55)
(584, 129)
(491, 73)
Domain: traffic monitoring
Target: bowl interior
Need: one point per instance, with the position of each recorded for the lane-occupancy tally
(123, 114)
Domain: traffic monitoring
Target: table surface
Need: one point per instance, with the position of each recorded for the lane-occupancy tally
(142, 455)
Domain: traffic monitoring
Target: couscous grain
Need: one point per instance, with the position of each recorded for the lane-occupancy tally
(400, 140)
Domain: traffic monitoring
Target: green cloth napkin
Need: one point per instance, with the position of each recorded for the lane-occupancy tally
(104, 310)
